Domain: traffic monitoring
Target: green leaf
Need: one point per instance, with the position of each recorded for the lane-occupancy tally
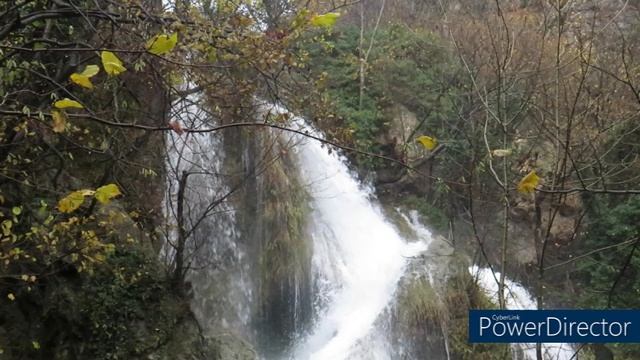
(327, 20)
(105, 193)
(17, 210)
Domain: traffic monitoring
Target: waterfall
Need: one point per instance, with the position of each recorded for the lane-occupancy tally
(213, 246)
(518, 298)
(358, 256)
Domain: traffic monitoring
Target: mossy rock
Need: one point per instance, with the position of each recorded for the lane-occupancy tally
(189, 344)
(285, 256)
(432, 319)
(273, 228)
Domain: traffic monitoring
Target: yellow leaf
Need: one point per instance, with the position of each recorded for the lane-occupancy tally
(90, 71)
(83, 78)
(327, 20)
(528, 183)
(59, 120)
(67, 103)
(501, 152)
(427, 141)
(36, 345)
(11, 297)
(73, 201)
(105, 193)
(162, 43)
(112, 65)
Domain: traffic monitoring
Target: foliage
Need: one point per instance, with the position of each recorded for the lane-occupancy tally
(433, 215)
(67, 103)
(162, 43)
(84, 78)
(88, 93)
(67, 125)
(600, 277)
(404, 67)
(128, 307)
(68, 128)
(74, 200)
(611, 224)
(120, 311)
(37, 242)
(112, 64)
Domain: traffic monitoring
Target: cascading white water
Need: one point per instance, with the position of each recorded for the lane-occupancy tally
(518, 298)
(202, 156)
(358, 255)
(358, 258)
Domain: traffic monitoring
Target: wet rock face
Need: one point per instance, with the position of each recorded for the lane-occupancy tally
(402, 125)
(395, 142)
(188, 343)
(285, 258)
(254, 279)
(417, 324)
(398, 142)
(425, 314)
(561, 219)
(273, 228)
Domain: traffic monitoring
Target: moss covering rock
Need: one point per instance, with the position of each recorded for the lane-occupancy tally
(431, 313)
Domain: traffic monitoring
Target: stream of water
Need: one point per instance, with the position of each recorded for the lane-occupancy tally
(359, 255)
(518, 298)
